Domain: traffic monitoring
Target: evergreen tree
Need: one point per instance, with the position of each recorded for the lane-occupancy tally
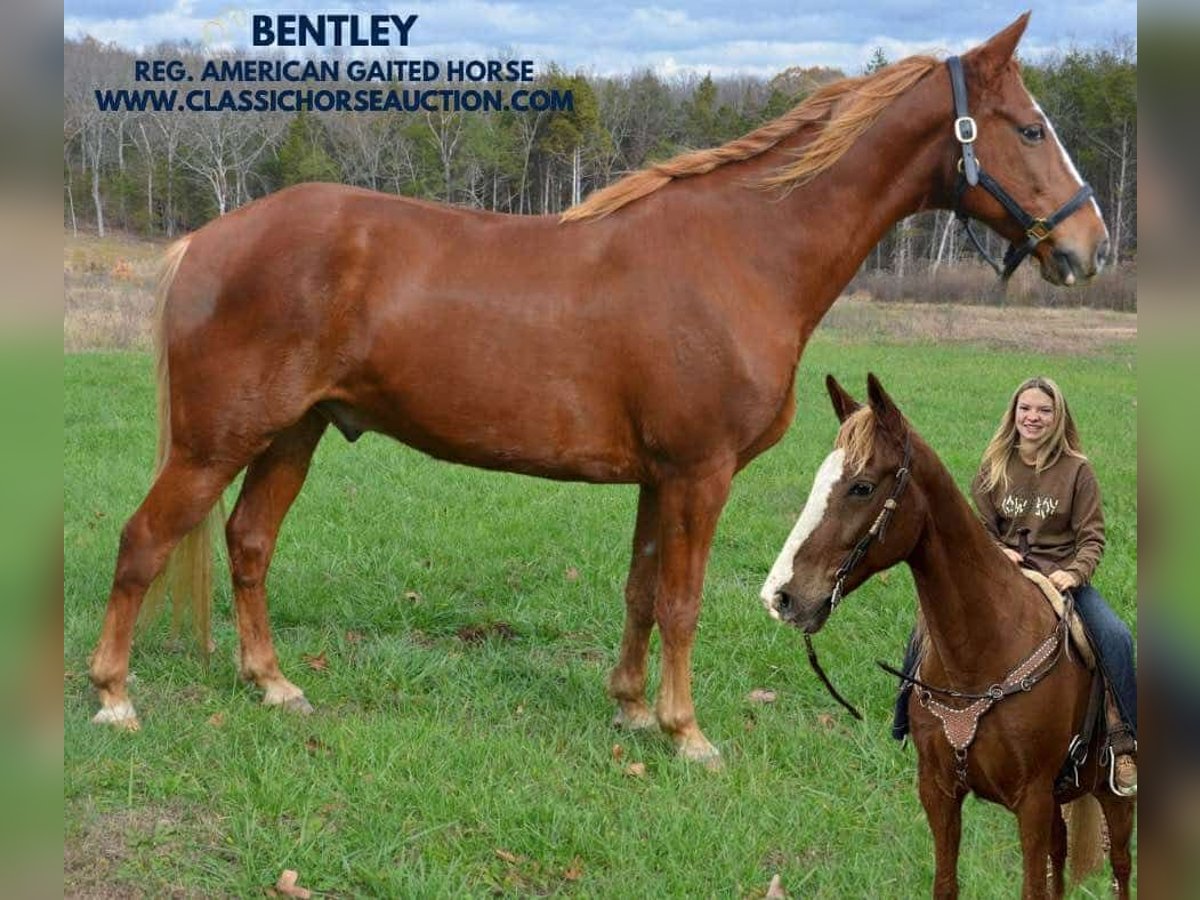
(303, 155)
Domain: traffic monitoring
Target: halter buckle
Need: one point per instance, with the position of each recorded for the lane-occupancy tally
(965, 130)
(1038, 230)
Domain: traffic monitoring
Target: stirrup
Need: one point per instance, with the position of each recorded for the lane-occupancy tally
(1109, 758)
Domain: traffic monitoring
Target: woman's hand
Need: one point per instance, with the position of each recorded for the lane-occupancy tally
(1012, 554)
(1064, 581)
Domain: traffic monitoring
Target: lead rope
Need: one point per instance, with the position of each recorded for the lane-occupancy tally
(833, 692)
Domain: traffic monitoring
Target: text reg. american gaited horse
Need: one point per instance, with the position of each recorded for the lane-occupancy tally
(997, 671)
(648, 336)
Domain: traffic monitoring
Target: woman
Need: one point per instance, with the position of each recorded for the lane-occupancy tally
(1037, 495)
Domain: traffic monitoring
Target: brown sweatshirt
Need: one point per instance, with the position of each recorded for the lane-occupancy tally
(1060, 507)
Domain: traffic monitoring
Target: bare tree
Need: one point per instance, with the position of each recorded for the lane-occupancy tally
(361, 144)
(447, 130)
(222, 147)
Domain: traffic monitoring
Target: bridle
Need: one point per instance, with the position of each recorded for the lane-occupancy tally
(876, 531)
(853, 558)
(970, 174)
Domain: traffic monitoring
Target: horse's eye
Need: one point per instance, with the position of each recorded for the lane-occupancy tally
(1035, 134)
(861, 489)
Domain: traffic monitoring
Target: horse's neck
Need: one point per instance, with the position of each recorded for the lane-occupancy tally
(820, 233)
(981, 613)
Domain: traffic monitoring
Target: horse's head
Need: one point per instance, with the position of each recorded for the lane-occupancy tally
(864, 513)
(1051, 214)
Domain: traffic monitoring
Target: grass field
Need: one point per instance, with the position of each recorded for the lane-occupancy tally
(454, 629)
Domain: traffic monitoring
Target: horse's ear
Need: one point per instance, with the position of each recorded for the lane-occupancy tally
(990, 57)
(843, 403)
(887, 414)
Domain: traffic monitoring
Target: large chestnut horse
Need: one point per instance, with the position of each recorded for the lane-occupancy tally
(649, 336)
(882, 497)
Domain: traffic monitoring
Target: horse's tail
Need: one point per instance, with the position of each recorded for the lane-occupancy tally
(1085, 842)
(188, 572)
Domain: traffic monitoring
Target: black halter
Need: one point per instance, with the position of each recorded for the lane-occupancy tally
(970, 174)
(876, 531)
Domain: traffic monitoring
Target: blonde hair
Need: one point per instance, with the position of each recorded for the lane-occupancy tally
(841, 111)
(1063, 437)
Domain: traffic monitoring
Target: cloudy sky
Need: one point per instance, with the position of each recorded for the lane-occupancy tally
(724, 37)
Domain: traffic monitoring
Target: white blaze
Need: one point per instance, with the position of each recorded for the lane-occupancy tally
(810, 517)
(1066, 156)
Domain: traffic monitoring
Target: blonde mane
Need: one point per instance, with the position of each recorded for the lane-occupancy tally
(857, 438)
(846, 108)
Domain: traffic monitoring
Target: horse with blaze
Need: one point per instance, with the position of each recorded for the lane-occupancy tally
(652, 339)
(881, 497)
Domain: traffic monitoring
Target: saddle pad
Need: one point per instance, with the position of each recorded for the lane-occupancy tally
(1078, 635)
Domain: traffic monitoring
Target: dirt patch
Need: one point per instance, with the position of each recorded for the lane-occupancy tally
(1025, 329)
(99, 848)
(477, 634)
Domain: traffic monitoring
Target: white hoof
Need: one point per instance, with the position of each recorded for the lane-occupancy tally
(289, 697)
(634, 720)
(119, 715)
(697, 749)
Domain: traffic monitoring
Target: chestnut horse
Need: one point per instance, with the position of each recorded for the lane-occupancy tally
(983, 618)
(649, 336)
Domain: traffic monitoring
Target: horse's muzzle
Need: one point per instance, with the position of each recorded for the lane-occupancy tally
(1068, 266)
(792, 611)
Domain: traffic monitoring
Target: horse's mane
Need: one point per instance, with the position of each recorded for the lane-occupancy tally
(846, 108)
(857, 438)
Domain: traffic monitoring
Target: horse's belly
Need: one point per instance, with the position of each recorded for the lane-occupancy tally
(515, 431)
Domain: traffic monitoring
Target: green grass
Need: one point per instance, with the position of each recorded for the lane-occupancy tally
(436, 766)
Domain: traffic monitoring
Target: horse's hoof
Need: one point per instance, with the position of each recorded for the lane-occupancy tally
(119, 715)
(697, 749)
(636, 719)
(298, 705)
(289, 697)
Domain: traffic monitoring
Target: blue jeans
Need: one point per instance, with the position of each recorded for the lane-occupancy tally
(1114, 647)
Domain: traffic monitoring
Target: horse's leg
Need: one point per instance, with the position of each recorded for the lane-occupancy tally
(627, 683)
(1035, 816)
(944, 814)
(272, 482)
(180, 498)
(688, 510)
(1118, 813)
(1058, 852)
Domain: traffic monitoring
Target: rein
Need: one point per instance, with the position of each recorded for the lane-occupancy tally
(970, 174)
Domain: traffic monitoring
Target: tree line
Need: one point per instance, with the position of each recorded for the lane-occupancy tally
(165, 173)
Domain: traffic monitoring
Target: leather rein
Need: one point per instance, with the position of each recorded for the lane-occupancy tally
(971, 174)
